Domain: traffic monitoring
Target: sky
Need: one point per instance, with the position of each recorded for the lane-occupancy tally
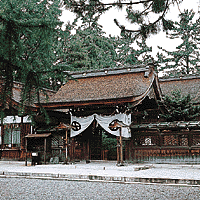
(107, 21)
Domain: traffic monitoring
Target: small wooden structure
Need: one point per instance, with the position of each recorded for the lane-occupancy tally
(34, 144)
(66, 127)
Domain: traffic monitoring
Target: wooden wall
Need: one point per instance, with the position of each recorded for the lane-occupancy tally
(173, 146)
(15, 153)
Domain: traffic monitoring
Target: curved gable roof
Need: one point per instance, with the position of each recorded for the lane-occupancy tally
(127, 85)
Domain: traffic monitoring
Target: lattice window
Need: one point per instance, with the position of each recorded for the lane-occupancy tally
(12, 135)
(184, 140)
(56, 141)
(155, 140)
(148, 140)
(141, 140)
(196, 140)
(170, 140)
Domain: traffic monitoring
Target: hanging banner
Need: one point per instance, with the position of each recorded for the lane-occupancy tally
(106, 121)
(80, 124)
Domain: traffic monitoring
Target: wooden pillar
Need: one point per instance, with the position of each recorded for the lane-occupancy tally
(45, 149)
(84, 150)
(2, 135)
(118, 158)
(127, 151)
(161, 141)
(26, 152)
(88, 149)
(11, 134)
(22, 134)
(121, 147)
(190, 141)
(66, 144)
(132, 148)
(72, 150)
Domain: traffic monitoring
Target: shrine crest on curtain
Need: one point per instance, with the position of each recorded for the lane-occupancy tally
(82, 123)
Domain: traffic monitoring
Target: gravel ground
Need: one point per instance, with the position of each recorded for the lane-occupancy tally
(16, 188)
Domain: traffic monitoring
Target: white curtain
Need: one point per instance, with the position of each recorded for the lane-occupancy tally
(81, 124)
(104, 122)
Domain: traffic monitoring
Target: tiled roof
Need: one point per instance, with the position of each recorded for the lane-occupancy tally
(106, 85)
(187, 85)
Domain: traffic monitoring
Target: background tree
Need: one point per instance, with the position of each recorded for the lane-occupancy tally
(88, 48)
(185, 59)
(179, 107)
(29, 31)
(133, 52)
(138, 13)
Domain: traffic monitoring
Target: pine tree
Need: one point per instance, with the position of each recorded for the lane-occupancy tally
(179, 107)
(185, 59)
(29, 32)
(89, 48)
(132, 52)
(137, 16)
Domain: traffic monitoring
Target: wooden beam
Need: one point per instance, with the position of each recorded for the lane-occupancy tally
(88, 103)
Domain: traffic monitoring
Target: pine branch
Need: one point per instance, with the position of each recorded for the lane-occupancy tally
(109, 4)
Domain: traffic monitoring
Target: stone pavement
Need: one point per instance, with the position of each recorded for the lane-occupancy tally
(106, 172)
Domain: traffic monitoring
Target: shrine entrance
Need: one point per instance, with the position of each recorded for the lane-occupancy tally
(95, 144)
(98, 137)
(103, 145)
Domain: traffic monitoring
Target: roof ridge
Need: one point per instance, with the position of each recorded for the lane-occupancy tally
(110, 71)
(179, 78)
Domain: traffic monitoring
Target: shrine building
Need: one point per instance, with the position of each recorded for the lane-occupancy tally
(111, 114)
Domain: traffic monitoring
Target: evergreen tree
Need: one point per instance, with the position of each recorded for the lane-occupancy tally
(29, 32)
(88, 48)
(185, 59)
(179, 107)
(129, 55)
(137, 16)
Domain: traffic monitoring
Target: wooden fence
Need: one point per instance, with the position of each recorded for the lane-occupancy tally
(166, 155)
